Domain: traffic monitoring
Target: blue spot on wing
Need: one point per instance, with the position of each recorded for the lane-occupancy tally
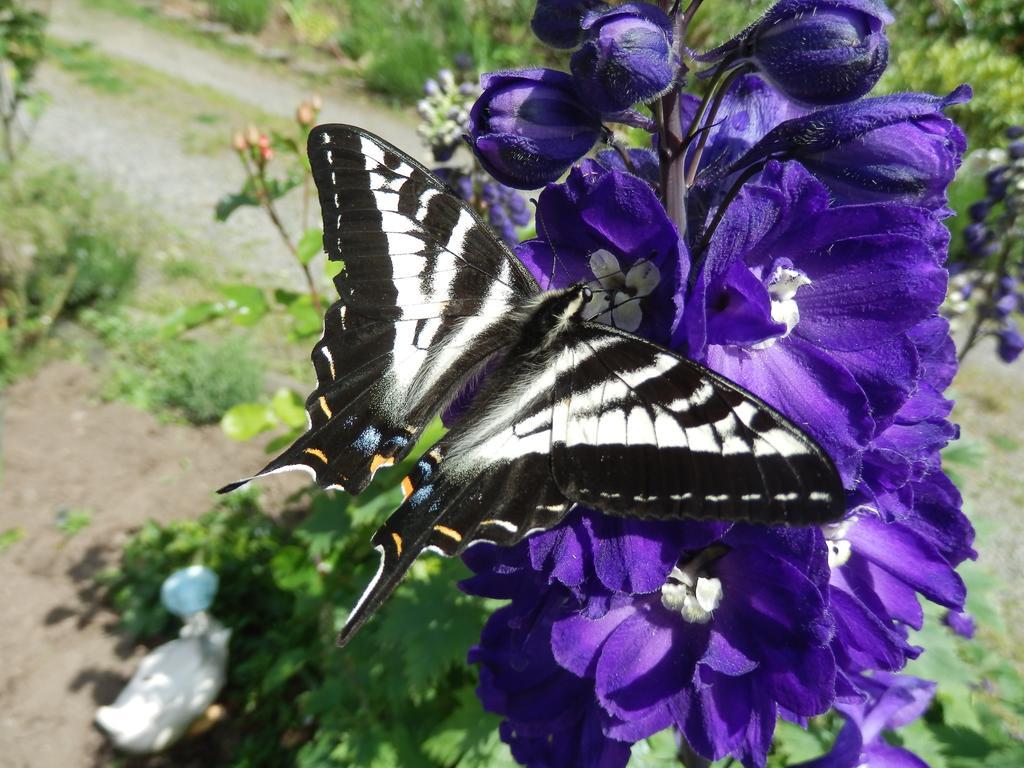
(368, 441)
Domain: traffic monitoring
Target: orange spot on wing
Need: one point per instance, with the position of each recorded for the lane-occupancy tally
(451, 533)
(324, 407)
(398, 543)
(407, 487)
(378, 462)
(318, 453)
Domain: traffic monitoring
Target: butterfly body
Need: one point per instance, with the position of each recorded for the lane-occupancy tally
(570, 411)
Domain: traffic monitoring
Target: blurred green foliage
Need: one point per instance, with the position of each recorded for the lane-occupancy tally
(194, 379)
(242, 15)
(399, 695)
(398, 44)
(22, 38)
(938, 66)
(64, 246)
(202, 380)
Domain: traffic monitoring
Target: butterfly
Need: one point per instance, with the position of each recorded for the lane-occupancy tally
(566, 411)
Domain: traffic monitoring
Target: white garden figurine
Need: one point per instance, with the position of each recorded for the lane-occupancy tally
(178, 681)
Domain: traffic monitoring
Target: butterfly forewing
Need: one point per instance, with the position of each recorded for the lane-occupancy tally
(424, 292)
(640, 431)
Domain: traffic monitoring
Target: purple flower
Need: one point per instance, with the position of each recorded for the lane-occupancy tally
(814, 51)
(750, 109)
(898, 147)
(626, 57)
(792, 293)
(1011, 343)
(608, 229)
(559, 22)
(723, 637)
(892, 702)
(551, 718)
(643, 163)
(529, 126)
(961, 622)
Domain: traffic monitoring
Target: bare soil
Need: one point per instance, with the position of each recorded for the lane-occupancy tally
(63, 450)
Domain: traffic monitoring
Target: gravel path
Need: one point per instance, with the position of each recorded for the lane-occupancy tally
(137, 143)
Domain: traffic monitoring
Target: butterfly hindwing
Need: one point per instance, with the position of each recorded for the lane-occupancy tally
(424, 292)
(643, 432)
(489, 479)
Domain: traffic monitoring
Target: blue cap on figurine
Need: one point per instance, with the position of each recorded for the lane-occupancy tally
(189, 590)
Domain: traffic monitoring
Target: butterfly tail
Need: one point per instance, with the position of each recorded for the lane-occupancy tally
(405, 534)
(393, 566)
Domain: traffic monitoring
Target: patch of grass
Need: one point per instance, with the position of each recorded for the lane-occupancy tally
(398, 44)
(191, 379)
(73, 521)
(65, 245)
(1005, 443)
(242, 15)
(203, 380)
(10, 537)
(90, 67)
(183, 268)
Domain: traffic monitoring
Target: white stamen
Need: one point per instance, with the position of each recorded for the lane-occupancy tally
(782, 287)
(839, 549)
(693, 596)
(618, 293)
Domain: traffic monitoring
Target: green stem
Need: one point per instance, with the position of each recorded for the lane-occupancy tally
(268, 205)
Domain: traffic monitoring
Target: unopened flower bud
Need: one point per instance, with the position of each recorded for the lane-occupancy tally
(626, 57)
(902, 146)
(1011, 343)
(559, 22)
(305, 115)
(815, 51)
(252, 135)
(238, 142)
(529, 126)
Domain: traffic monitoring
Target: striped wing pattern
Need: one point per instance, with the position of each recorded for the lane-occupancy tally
(614, 422)
(428, 296)
(640, 431)
(422, 298)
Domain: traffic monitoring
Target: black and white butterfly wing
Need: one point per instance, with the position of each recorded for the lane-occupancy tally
(643, 432)
(423, 295)
(614, 422)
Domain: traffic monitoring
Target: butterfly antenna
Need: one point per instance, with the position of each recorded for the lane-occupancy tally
(547, 238)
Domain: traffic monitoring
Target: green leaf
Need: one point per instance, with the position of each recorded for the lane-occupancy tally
(375, 747)
(10, 537)
(191, 316)
(306, 320)
(333, 268)
(72, 521)
(802, 744)
(294, 571)
(284, 668)
(289, 407)
(285, 297)
(232, 202)
(246, 420)
(247, 303)
(468, 738)
(658, 751)
(278, 188)
(310, 245)
(281, 442)
(919, 738)
(444, 622)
